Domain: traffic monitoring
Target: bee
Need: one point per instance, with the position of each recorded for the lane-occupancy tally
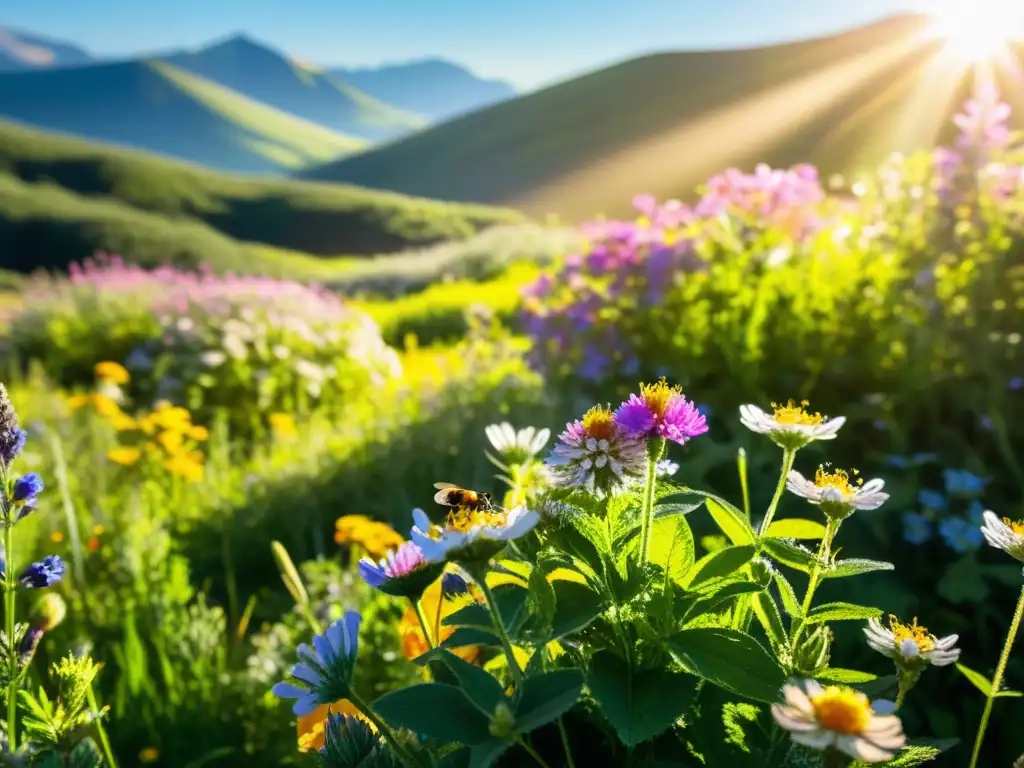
(450, 495)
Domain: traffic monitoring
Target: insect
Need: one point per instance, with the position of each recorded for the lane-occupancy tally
(450, 495)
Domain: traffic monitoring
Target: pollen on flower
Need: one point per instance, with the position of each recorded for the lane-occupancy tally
(791, 413)
(657, 396)
(913, 631)
(599, 422)
(464, 520)
(1015, 526)
(839, 479)
(842, 710)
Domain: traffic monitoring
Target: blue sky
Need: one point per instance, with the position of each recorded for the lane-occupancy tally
(528, 42)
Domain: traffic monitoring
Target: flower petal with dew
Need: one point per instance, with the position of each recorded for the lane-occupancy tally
(790, 426)
(661, 411)
(596, 454)
(834, 492)
(1004, 534)
(402, 572)
(471, 534)
(325, 670)
(840, 718)
(911, 645)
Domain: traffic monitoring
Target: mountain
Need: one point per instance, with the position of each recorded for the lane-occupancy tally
(21, 50)
(432, 87)
(250, 68)
(663, 123)
(158, 107)
(62, 199)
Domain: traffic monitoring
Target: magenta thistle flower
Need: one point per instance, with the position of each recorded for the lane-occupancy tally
(661, 411)
(595, 453)
(403, 572)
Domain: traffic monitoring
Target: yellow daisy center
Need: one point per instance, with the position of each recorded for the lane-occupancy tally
(1017, 527)
(465, 520)
(842, 710)
(599, 423)
(839, 479)
(657, 396)
(791, 413)
(912, 631)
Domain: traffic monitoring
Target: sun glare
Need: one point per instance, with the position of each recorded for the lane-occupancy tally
(978, 29)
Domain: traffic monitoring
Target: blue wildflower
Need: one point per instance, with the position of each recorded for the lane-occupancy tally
(976, 513)
(960, 482)
(44, 573)
(1015, 384)
(907, 462)
(453, 585)
(960, 535)
(930, 499)
(917, 529)
(325, 670)
(985, 422)
(27, 487)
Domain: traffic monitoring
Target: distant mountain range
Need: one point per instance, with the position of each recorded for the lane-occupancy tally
(21, 50)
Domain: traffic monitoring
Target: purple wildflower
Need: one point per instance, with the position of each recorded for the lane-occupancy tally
(661, 411)
(595, 453)
(403, 572)
(27, 487)
(44, 573)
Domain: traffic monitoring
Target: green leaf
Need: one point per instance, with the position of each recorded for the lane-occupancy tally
(434, 709)
(544, 697)
(541, 603)
(638, 705)
(479, 686)
(768, 615)
(790, 603)
(575, 607)
(795, 528)
(789, 554)
(486, 753)
(85, 754)
(846, 676)
(473, 616)
(672, 510)
(984, 685)
(911, 755)
(841, 612)
(730, 659)
(731, 521)
(672, 547)
(718, 564)
(716, 600)
(854, 567)
(464, 636)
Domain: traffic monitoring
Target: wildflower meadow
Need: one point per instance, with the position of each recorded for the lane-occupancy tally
(738, 482)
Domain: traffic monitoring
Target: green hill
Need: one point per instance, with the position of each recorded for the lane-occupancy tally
(158, 107)
(62, 198)
(663, 123)
(260, 73)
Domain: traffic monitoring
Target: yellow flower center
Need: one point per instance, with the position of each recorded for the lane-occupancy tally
(842, 710)
(599, 423)
(912, 631)
(465, 520)
(839, 479)
(657, 396)
(791, 413)
(1017, 527)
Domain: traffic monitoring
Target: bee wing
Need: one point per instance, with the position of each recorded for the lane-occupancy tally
(444, 486)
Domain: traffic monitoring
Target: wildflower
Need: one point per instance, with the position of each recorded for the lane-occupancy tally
(960, 535)
(932, 500)
(661, 411)
(1005, 534)
(57, 537)
(471, 534)
(312, 727)
(838, 717)
(124, 455)
(595, 453)
(911, 644)
(960, 482)
(198, 433)
(917, 529)
(835, 494)
(402, 572)
(282, 425)
(908, 462)
(12, 437)
(519, 447)
(326, 669)
(115, 373)
(44, 573)
(351, 740)
(790, 426)
(27, 488)
(149, 755)
(375, 537)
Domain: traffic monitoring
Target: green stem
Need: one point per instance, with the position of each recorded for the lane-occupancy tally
(108, 753)
(383, 729)
(741, 465)
(565, 744)
(499, 625)
(533, 753)
(417, 606)
(997, 678)
(831, 528)
(11, 587)
(788, 455)
(654, 450)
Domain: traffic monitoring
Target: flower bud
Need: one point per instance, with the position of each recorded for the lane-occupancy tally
(49, 611)
(812, 653)
(502, 721)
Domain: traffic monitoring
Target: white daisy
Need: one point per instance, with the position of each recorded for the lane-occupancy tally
(520, 446)
(911, 644)
(835, 494)
(790, 426)
(470, 534)
(1004, 534)
(838, 717)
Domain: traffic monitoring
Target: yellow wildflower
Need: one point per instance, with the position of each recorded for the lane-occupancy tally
(149, 755)
(312, 727)
(199, 433)
(56, 537)
(115, 373)
(77, 402)
(124, 455)
(436, 609)
(282, 425)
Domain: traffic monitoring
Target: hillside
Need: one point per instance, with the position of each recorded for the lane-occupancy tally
(255, 70)
(663, 123)
(155, 106)
(432, 87)
(21, 50)
(62, 198)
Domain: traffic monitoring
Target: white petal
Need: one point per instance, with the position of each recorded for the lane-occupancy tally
(801, 486)
(862, 749)
(797, 699)
(815, 739)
